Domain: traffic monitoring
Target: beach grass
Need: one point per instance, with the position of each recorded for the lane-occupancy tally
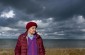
(51, 51)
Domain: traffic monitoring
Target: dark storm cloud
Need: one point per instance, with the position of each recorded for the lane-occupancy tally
(4, 22)
(22, 10)
(25, 5)
(62, 12)
(60, 9)
(9, 21)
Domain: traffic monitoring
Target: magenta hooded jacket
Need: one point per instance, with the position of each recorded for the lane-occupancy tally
(21, 46)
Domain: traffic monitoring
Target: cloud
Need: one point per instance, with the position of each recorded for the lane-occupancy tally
(5, 29)
(28, 6)
(56, 19)
(60, 10)
(21, 23)
(8, 35)
(43, 24)
(7, 32)
(79, 19)
(9, 14)
(63, 9)
(68, 29)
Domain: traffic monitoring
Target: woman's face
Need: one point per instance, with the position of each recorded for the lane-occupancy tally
(32, 30)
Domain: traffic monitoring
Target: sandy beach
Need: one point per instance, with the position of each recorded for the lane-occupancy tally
(51, 51)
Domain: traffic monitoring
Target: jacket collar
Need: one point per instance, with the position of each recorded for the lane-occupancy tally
(37, 35)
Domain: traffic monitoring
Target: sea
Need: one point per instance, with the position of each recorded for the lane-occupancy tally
(48, 43)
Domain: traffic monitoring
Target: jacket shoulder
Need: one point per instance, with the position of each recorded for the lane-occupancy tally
(38, 36)
(21, 36)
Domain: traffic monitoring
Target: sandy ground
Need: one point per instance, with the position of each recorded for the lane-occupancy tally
(51, 51)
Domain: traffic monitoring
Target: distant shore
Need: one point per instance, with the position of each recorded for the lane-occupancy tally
(48, 43)
(51, 51)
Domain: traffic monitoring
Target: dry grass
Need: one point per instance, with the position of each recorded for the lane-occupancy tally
(65, 51)
(6, 52)
(51, 51)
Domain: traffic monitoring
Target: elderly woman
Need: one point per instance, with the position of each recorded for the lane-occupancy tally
(30, 42)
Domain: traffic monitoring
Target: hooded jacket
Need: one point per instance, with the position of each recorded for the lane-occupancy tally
(21, 45)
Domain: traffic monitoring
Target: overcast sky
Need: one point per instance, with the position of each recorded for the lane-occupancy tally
(56, 19)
